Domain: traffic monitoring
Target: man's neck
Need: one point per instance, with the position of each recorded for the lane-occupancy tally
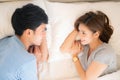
(24, 41)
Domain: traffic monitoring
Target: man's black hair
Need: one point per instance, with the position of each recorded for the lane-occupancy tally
(29, 16)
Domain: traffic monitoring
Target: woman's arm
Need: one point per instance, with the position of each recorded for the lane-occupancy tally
(65, 47)
(92, 73)
(94, 70)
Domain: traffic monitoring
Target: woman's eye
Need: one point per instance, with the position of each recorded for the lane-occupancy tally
(83, 32)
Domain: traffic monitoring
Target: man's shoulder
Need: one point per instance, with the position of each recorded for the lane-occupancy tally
(12, 53)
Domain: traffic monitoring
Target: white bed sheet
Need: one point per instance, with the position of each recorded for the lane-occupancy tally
(61, 19)
(63, 15)
(65, 70)
(112, 76)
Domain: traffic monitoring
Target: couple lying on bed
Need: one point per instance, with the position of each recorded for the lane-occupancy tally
(92, 55)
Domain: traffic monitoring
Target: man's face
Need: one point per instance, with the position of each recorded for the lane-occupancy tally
(39, 34)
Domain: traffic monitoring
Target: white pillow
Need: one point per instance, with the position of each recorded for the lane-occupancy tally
(9, 0)
(63, 15)
(80, 0)
(118, 61)
(6, 11)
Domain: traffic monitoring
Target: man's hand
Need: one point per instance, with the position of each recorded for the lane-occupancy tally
(41, 52)
(36, 51)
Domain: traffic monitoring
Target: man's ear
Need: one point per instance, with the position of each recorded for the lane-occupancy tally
(28, 32)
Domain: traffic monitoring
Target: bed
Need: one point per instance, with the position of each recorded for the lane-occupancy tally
(62, 15)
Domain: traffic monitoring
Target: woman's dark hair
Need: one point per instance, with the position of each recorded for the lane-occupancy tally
(29, 16)
(96, 22)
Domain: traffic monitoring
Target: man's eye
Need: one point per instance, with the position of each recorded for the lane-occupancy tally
(45, 29)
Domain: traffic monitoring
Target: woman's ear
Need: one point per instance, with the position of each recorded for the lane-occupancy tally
(97, 34)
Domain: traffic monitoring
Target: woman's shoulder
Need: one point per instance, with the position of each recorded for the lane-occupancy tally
(106, 50)
(107, 47)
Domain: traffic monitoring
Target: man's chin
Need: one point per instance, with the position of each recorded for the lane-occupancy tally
(38, 44)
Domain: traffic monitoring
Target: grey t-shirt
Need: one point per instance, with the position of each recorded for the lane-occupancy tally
(103, 54)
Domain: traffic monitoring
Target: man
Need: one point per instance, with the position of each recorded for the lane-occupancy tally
(16, 63)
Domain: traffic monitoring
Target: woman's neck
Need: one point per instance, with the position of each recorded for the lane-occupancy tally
(94, 45)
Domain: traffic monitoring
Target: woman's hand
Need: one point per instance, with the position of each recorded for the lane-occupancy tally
(76, 48)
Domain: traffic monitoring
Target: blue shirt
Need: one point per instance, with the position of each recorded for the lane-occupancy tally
(15, 62)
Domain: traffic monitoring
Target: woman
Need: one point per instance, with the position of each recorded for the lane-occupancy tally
(92, 55)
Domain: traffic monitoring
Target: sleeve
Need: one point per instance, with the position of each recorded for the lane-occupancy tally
(27, 71)
(80, 54)
(104, 56)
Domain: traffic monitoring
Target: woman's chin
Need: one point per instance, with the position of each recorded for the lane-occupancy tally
(83, 43)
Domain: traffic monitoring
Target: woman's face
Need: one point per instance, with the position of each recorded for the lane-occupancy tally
(85, 34)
